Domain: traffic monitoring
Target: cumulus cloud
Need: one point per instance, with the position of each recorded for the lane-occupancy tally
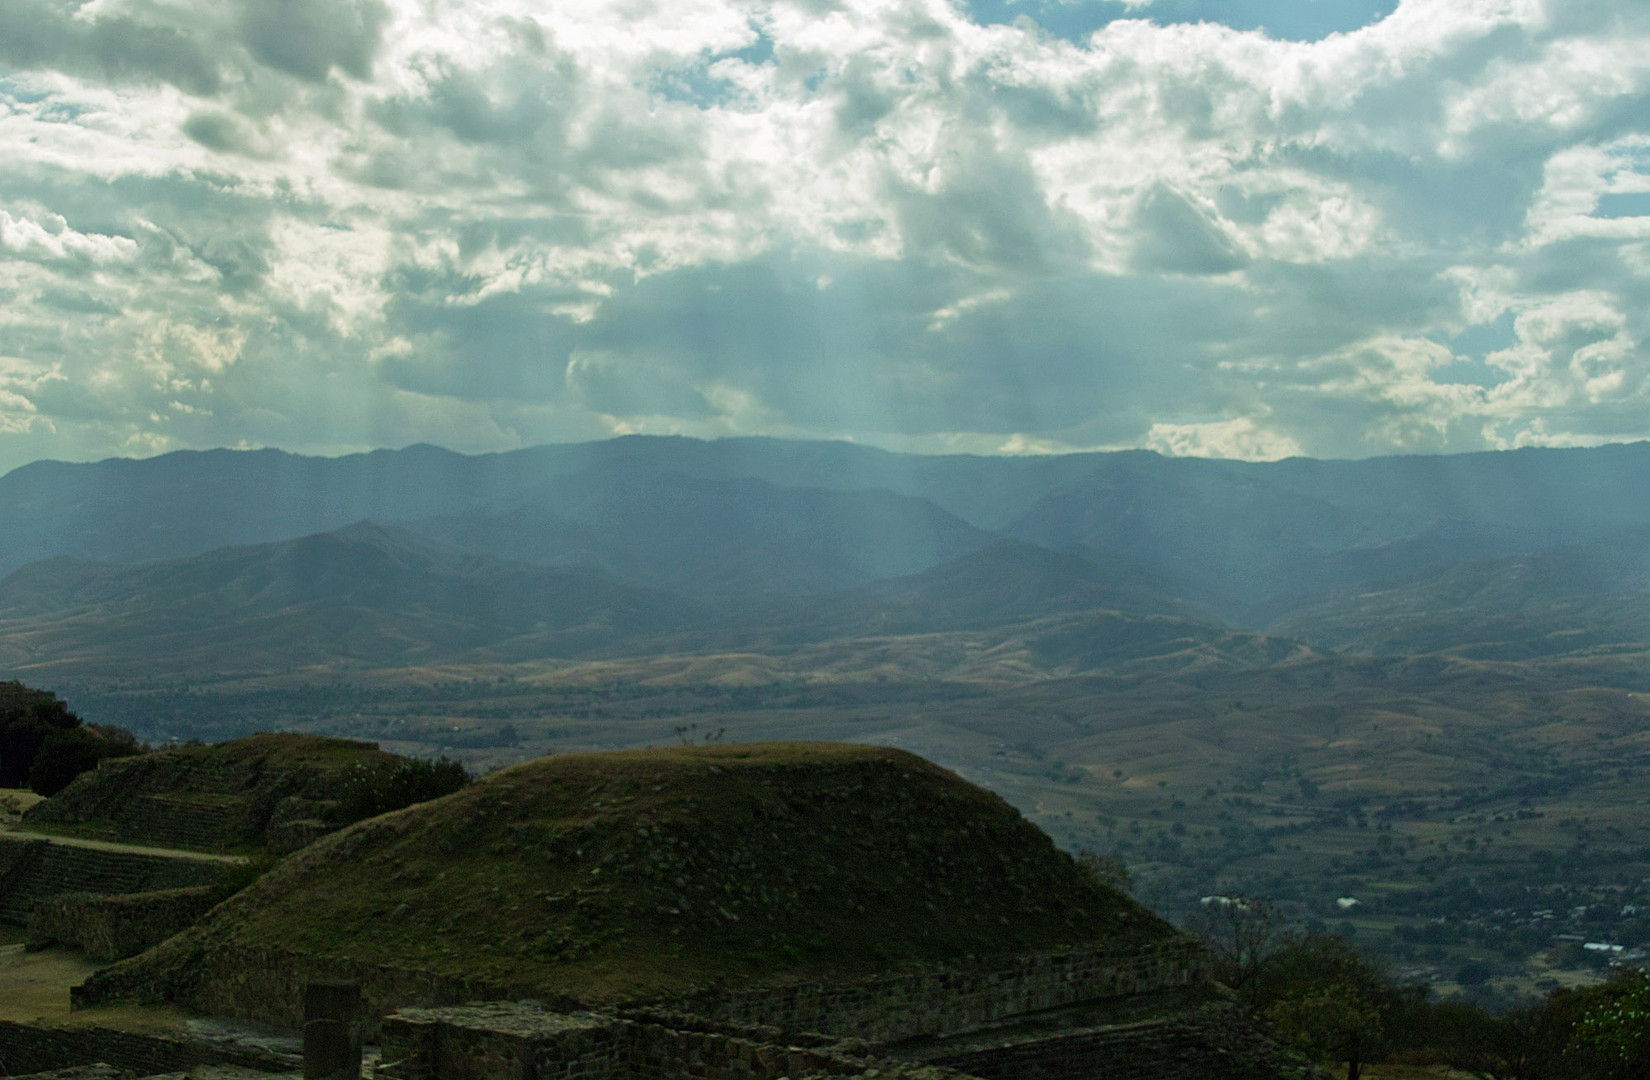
(330, 224)
(1240, 438)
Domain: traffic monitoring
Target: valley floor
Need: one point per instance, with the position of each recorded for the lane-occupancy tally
(1487, 818)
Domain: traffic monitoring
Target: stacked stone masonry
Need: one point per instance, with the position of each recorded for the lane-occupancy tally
(194, 822)
(940, 1002)
(30, 1048)
(217, 806)
(111, 928)
(266, 985)
(32, 870)
(1213, 1042)
(519, 1041)
(508, 1041)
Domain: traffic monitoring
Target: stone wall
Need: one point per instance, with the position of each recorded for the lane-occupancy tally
(266, 985)
(12, 858)
(519, 1041)
(941, 1001)
(114, 927)
(28, 1048)
(193, 798)
(34, 869)
(501, 1040)
(1213, 1043)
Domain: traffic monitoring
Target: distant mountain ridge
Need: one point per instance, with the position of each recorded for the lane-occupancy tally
(1510, 608)
(715, 539)
(767, 539)
(367, 593)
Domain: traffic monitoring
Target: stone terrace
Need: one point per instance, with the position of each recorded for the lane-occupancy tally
(34, 868)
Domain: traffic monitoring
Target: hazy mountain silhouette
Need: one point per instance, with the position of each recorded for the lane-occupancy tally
(1511, 608)
(1010, 581)
(720, 540)
(762, 520)
(365, 593)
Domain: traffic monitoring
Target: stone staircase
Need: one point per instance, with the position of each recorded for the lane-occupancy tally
(197, 822)
(203, 806)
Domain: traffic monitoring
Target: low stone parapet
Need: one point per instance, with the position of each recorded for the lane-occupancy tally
(34, 868)
(31, 1048)
(1216, 1042)
(942, 1000)
(266, 985)
(521, 1041)
(111, 928)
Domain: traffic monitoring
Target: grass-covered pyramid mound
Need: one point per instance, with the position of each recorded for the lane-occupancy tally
(613, 875)
(238, 795)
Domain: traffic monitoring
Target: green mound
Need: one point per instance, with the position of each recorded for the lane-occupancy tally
(267, 790)
(617, 875)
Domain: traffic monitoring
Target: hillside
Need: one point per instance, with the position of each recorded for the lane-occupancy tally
(1008, 582)
(612, 875)
(1542, 604)
(365, 594)
(370, 597)
(715, 539)
(245, 793)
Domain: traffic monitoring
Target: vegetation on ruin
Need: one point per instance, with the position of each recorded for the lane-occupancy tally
(244, 781)
(606, 876)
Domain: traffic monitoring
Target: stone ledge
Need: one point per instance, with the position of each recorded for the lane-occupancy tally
(114, 927)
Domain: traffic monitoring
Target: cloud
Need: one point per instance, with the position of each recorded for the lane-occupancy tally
(1240, 438)
(50, 240)
(311, 38)
(330, 224)
(115, 48)
(1173, 236)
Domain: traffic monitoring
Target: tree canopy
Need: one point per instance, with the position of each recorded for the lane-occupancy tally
(43, 745)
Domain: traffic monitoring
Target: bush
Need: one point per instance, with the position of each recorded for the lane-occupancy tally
(1107, 870)
(1612, 1033)
(1473, 973)
(370, 790)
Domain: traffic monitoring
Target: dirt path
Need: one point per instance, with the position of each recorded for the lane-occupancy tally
(110, 845)
(35, 986)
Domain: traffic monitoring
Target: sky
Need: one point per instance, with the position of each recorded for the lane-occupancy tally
(1223, 228)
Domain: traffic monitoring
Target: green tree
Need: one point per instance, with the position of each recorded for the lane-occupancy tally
(1336, 1022)
(27, 717)
(1535, 1038)
(1330, 1002)
(1242, 934)
(1612, 1032)
(65, 753)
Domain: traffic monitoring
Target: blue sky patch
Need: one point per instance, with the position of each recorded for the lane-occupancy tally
(1292, 20)
(1623, 204)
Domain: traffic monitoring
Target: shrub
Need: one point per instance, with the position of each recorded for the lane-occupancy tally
(1106, 869)
(1613, 1030)
(1473, 973)
(370, 790)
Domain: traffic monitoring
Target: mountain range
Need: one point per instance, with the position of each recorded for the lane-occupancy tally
(227, 560)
